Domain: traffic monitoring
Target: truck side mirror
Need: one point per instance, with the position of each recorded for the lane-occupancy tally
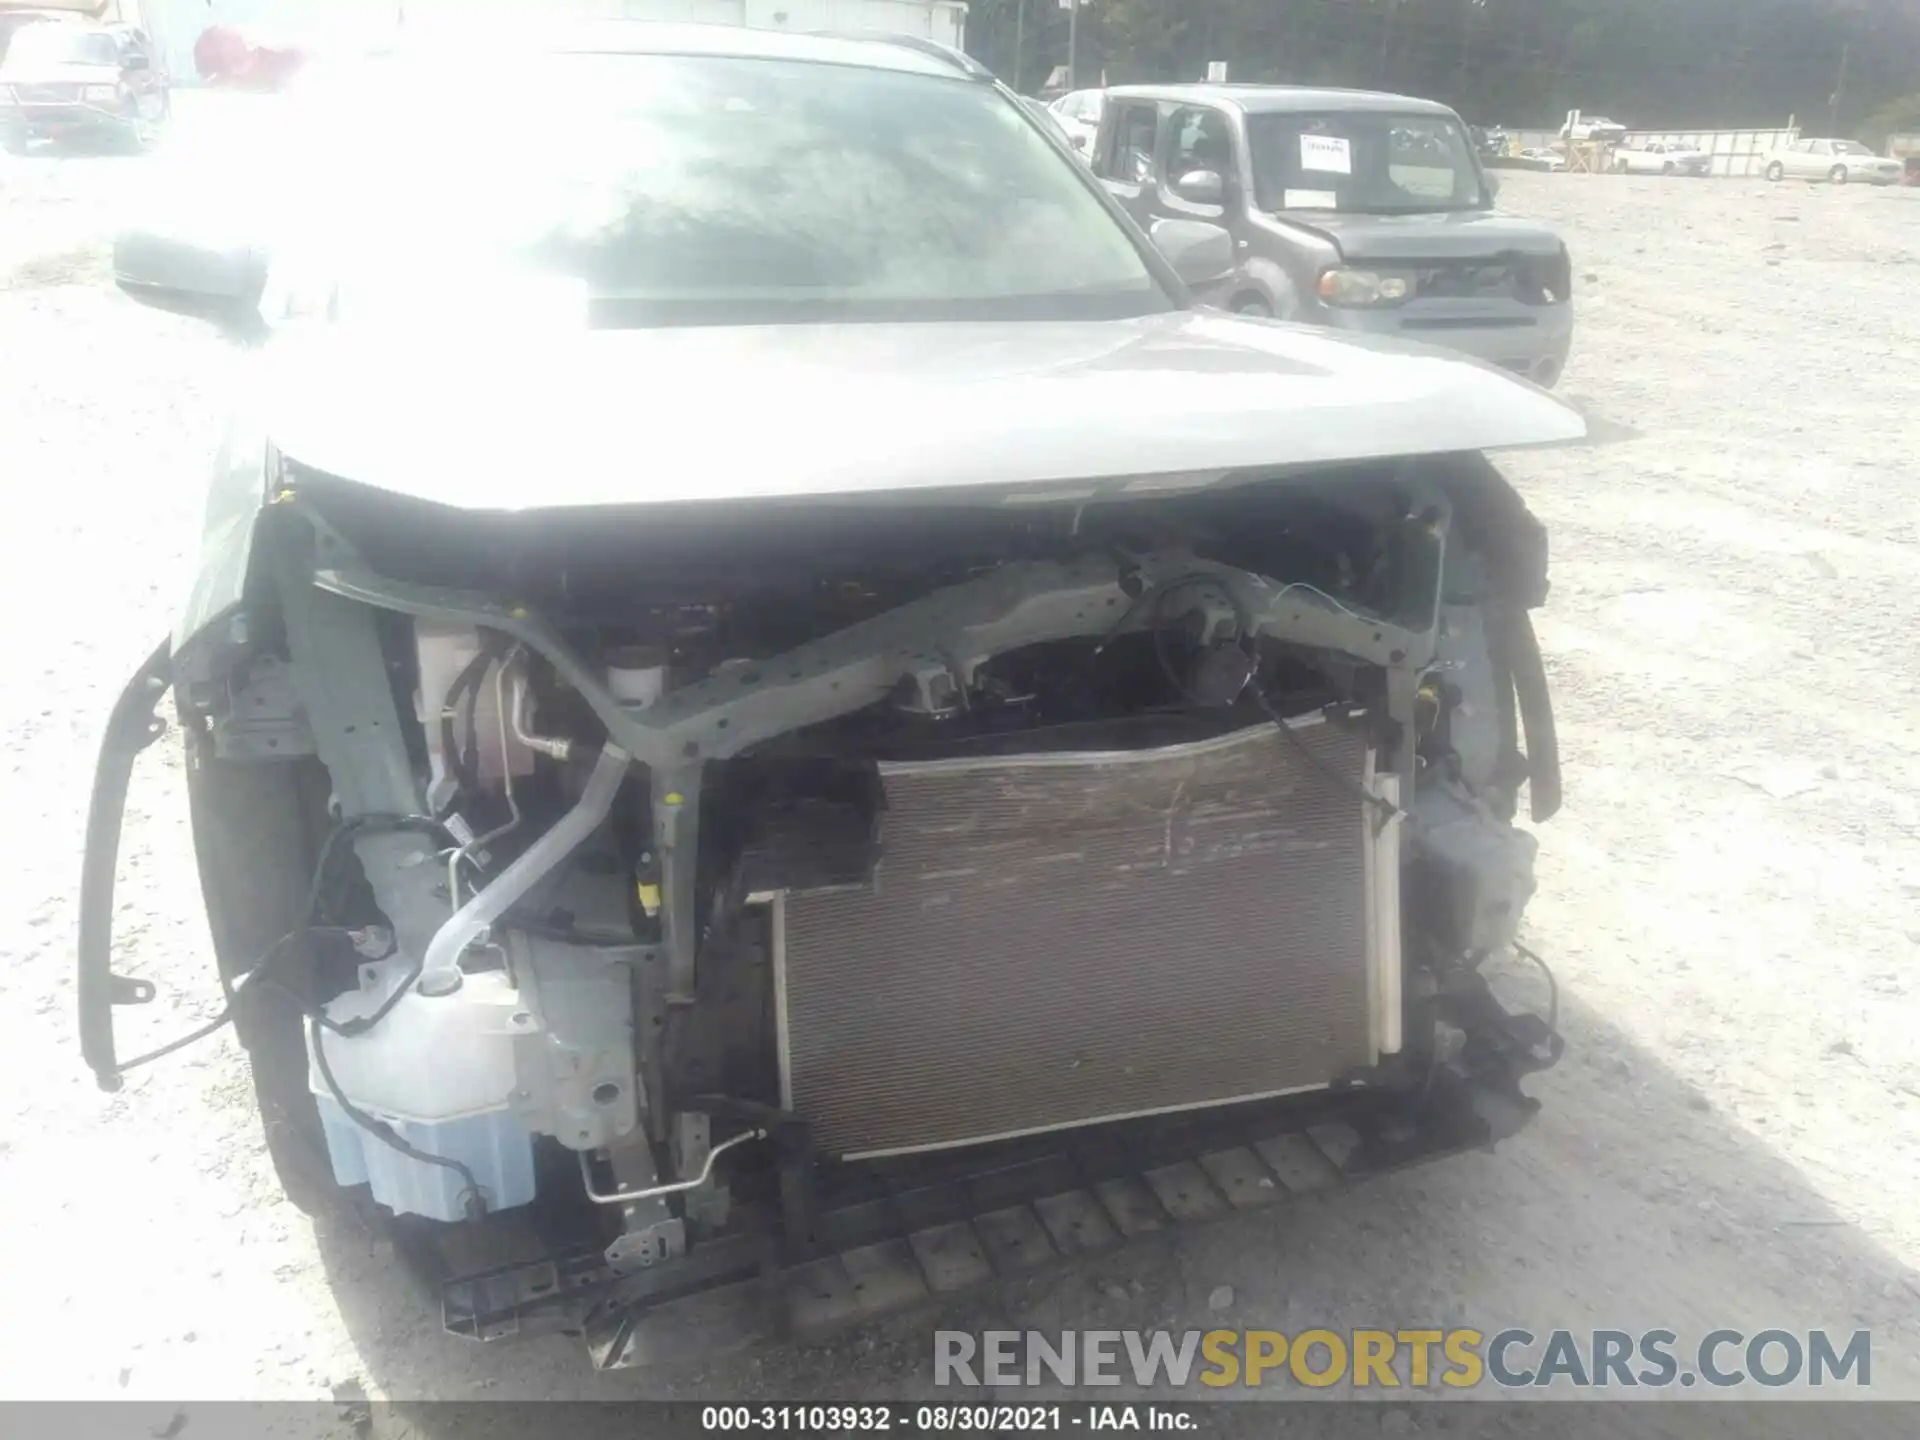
(1198, 252)
(1201, 187)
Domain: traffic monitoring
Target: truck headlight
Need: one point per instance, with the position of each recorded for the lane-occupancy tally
(99, 94)
(1363, 288)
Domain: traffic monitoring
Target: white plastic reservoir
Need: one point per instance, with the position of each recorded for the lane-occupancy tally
(456, 1104)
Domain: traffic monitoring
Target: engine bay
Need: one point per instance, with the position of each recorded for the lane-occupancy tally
(811, 832)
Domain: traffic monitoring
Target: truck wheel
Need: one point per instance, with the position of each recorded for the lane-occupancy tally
(1667, 169)
(1253, 305)
(1776, 172)
(1620, 166)
(1838, 175)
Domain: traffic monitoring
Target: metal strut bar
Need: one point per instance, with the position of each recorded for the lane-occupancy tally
(132, 728)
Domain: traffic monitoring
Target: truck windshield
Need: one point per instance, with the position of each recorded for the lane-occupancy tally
(702, 190)
(1367, 162)
(54, 42)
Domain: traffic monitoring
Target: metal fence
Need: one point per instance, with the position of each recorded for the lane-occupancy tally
(1737, 153)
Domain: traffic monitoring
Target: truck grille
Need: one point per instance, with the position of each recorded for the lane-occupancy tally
(1054, 940)
(1526, 278)
(47, 94)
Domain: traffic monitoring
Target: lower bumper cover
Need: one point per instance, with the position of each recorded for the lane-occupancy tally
(1533, 341)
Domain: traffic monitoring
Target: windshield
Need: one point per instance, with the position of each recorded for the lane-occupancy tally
(675, 189)
(1371, 163)
(53, 43)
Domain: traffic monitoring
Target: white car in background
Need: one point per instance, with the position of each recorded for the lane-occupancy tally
(1662, 157)
(1837, 161)
(1079, 112)
(1543, 159)
(1050, 123)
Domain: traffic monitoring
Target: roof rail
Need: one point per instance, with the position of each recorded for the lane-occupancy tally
(923, 44)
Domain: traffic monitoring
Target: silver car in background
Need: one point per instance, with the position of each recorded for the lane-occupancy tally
(1837, 161)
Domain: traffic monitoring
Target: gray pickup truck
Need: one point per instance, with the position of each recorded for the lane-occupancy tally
(1351, 209)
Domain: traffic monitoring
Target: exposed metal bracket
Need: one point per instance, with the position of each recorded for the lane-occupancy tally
(692, 1152)
(263, 719)
(127, 990)
(340, 676)
(676, 838)
(1019, 604)
(652, 1233)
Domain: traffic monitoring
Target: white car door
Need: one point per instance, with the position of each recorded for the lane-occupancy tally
(1810, 159)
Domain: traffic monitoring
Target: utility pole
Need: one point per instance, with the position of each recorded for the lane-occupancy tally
(1073, 44)
(1839, 91)
(1019, 42)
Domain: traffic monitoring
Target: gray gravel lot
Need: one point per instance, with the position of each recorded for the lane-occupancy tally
(1732, 896)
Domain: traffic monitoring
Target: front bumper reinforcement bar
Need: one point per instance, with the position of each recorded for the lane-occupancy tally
(894, 1235)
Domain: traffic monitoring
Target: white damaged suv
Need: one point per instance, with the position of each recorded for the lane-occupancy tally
(754, 649)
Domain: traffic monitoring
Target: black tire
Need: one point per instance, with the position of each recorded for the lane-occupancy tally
(1667, 169)
(1837, 175)
(1255, 305)
(256, 835)
(1776, 172)
(1620, 167)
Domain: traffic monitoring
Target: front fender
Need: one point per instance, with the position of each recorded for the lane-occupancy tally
(1275, 283)
(237, 494)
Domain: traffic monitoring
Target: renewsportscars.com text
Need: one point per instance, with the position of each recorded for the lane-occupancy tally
(1459, 1359)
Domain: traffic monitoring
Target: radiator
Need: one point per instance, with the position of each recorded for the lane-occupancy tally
(1062, 939)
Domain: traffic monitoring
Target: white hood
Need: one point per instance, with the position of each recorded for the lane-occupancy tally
(504, 419)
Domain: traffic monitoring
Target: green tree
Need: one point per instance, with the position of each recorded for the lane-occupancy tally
(1667, 63)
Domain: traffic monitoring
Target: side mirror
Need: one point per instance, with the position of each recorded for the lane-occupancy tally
(1080, 139)
(184, 278)
(1198, 252)
(1202, 187)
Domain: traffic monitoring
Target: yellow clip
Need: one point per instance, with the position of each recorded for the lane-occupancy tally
(285, 496)
(649, 897)
(673, 797)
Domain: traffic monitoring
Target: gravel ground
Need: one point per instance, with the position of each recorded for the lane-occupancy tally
(1732, 896)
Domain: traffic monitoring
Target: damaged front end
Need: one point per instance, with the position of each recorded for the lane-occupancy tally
(880, 894)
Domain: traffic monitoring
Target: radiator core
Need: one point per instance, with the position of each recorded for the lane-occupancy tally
(1061, 939)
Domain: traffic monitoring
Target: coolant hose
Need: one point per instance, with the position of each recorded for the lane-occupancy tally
(440, 972)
